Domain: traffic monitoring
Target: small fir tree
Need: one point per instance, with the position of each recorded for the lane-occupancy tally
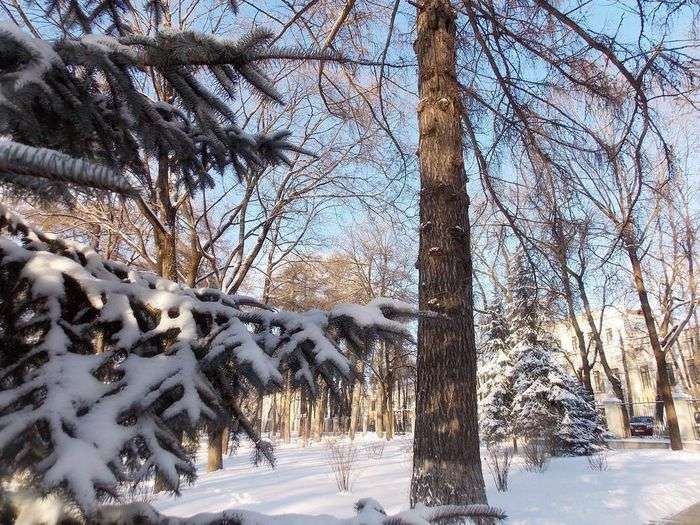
(548, 403)
(580, 431)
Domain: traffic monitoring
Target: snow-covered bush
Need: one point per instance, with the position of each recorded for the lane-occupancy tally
(341, 458)
(598, 461)
(498, 461)
(375, 449)
(102, 368)
(536, 453)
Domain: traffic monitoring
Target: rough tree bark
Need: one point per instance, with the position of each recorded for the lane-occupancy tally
(166, 241)
(388, 392)
(389, 415)
(446, 460)
(215, 459)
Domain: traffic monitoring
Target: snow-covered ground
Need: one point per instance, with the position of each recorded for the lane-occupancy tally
(639, 486)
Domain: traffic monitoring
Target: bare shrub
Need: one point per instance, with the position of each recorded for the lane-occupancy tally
(375, 449)
(535, 455)
(341, 458)
(498, 460)
(598, 460)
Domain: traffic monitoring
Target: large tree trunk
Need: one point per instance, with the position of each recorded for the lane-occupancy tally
(388, 393)
(580, 341)
(273, 418)
(662, 384)
(446, 459)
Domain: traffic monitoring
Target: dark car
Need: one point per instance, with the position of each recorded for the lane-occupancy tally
(642, 426)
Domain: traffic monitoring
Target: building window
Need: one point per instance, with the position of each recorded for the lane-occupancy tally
(574, 343)
(644, 375)
(598, 385)
(693, 370)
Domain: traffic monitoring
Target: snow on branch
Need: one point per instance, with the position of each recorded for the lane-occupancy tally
(43, 163)
(89, 87)
(104, 367)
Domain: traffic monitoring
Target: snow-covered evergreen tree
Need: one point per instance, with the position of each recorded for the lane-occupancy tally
(533, 413)
(548, 403)
(102, 368)
(579, 431)
(495, 376)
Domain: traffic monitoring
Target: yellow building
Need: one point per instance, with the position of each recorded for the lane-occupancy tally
(626, 346)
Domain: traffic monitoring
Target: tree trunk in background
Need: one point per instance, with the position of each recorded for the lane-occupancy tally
(226, 442)
(309, 415)
(446, 459)
(273, 416)
(259, 413)
(320, 413)
(625, 368)
(615, 381)
(379, 412)
(696, 339)
(662, 384)
(580, 340)
(166, 241)
(356, 403)
(388, 392)
(286, 412)
(389, 414)
(166, 244)
(215, 459)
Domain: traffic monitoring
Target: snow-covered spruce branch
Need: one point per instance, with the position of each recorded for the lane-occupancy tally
(89, 88)
(43, 163)
(104, 367)
(369, 512)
